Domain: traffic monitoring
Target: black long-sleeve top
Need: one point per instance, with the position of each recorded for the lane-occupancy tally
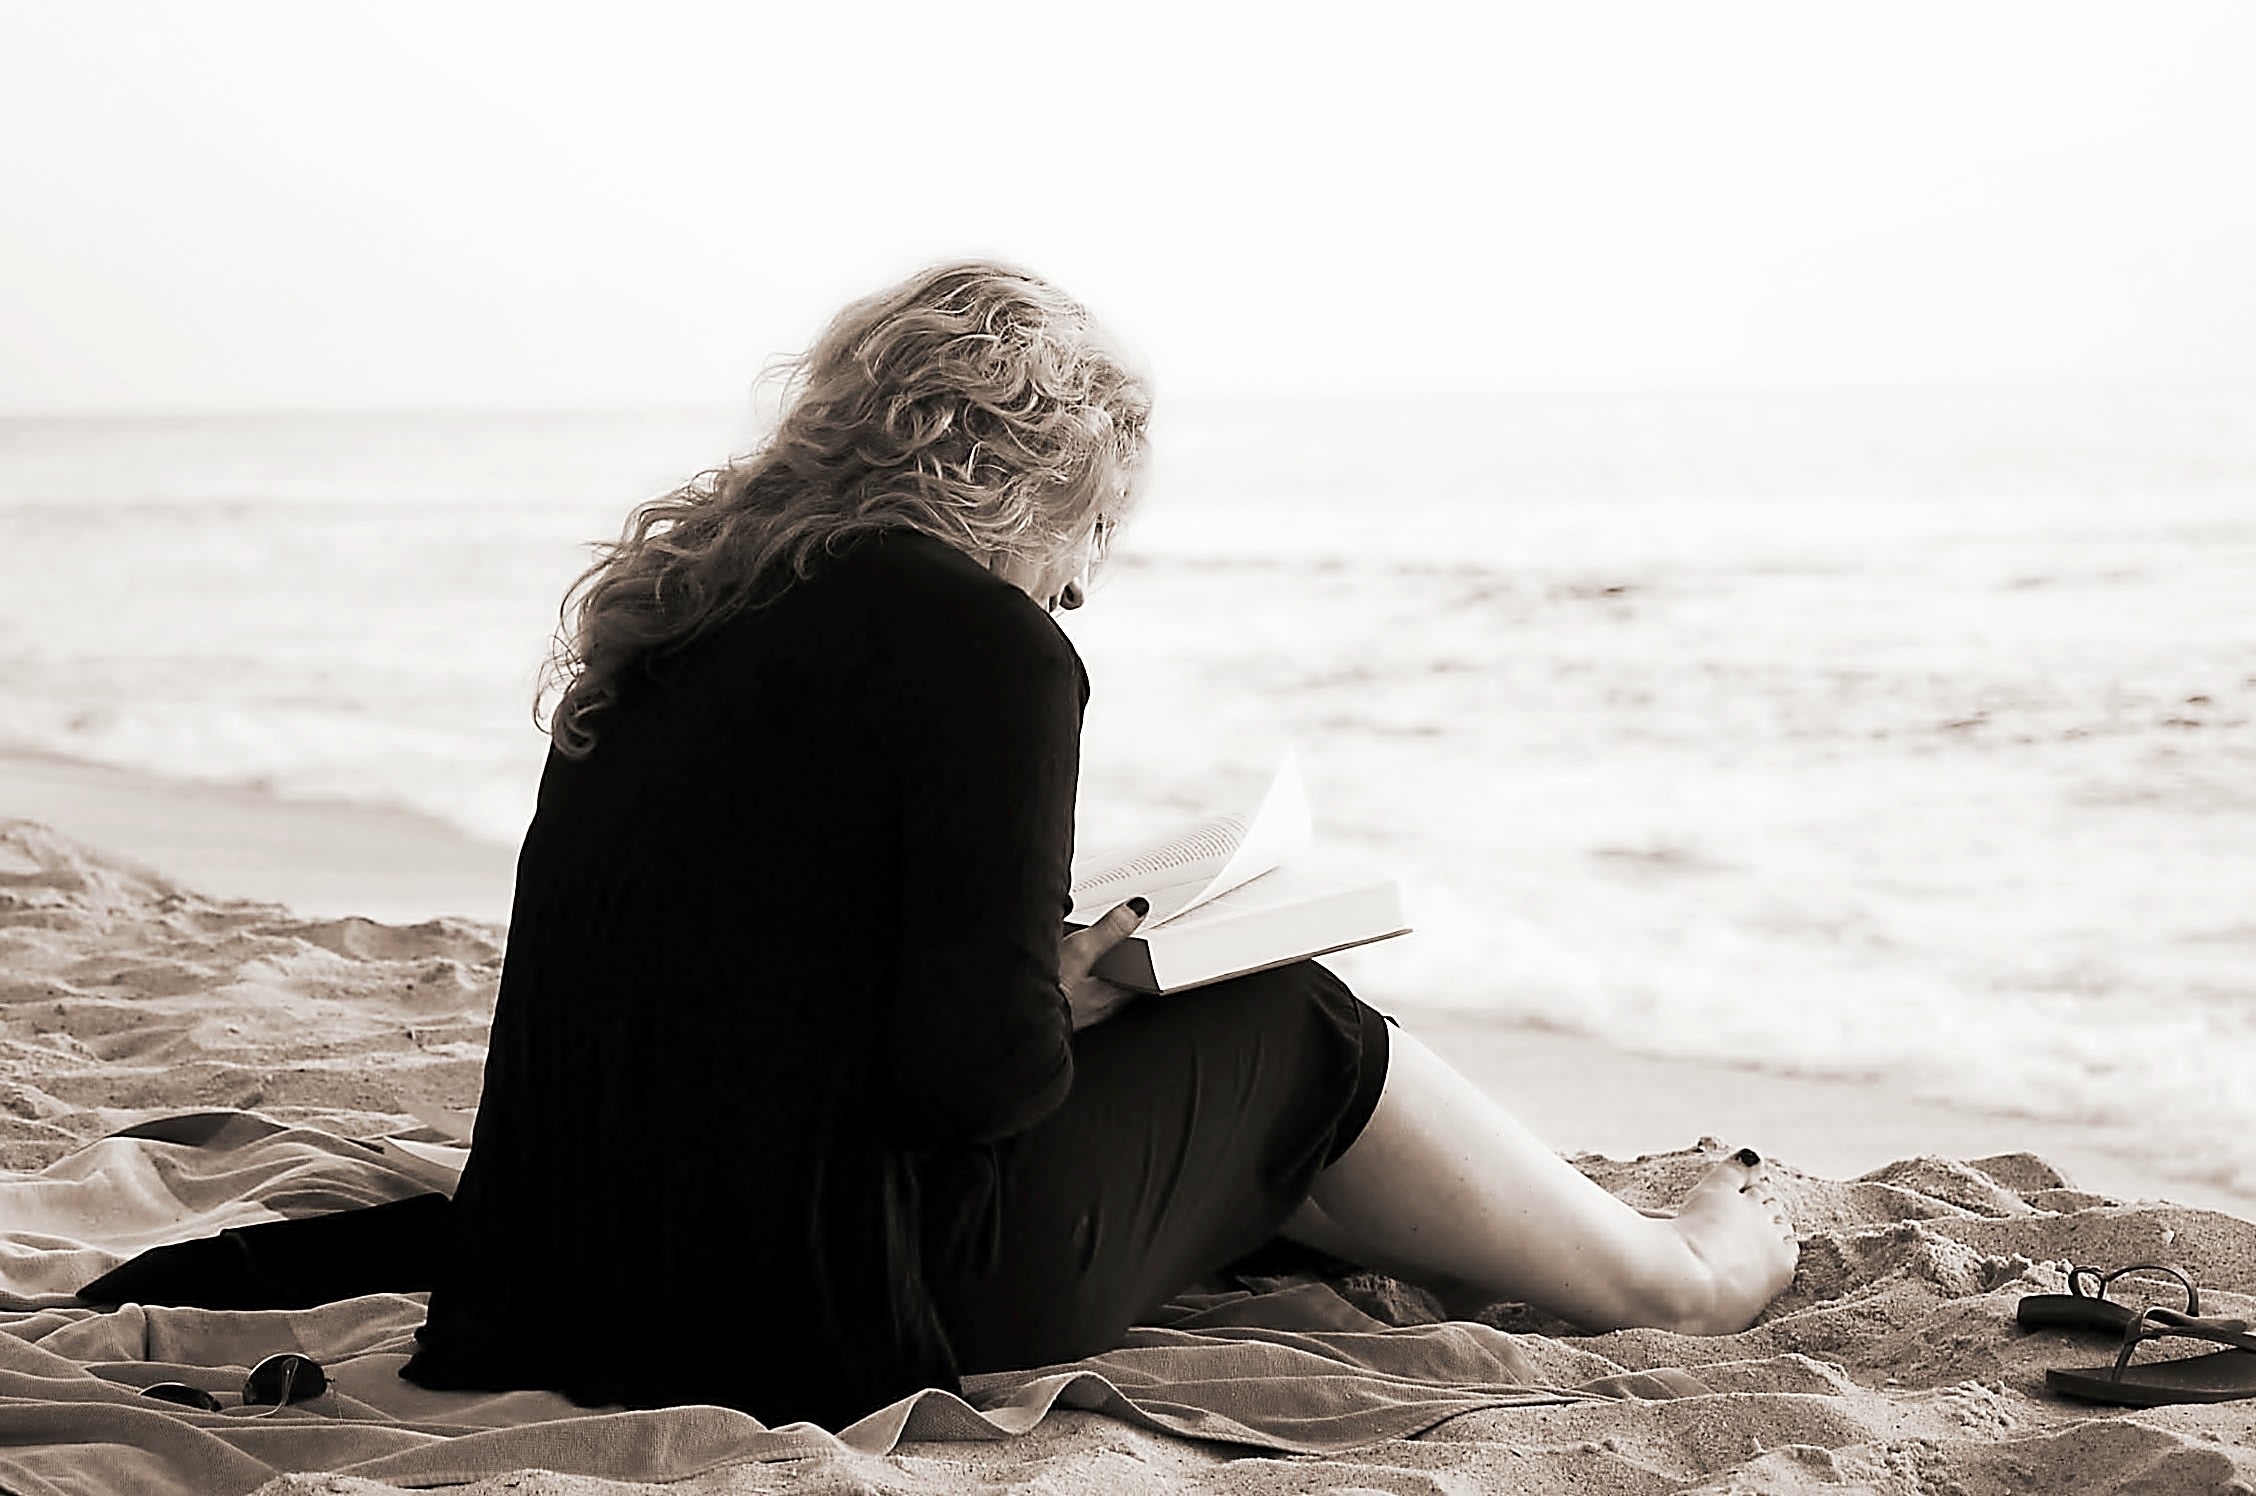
(790, 927)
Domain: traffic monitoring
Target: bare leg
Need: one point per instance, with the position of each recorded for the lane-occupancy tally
(1443, 1188)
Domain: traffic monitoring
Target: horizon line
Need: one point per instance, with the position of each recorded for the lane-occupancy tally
(1279, 395)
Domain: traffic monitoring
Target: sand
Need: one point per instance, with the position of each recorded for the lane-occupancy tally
(318, 856)
(1892, 1364)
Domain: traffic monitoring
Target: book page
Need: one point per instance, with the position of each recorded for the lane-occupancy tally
(1210, 859)
(1280, 827)
(1168, 873)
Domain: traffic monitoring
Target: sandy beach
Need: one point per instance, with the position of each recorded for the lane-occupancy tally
(319, 857)
(1891, 1365)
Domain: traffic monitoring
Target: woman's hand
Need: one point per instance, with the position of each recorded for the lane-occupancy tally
(1092, 999)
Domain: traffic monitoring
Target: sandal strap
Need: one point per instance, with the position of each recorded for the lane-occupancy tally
(2076, 1276)
(2156, 1322)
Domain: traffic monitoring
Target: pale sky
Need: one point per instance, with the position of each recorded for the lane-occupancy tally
(325, 203)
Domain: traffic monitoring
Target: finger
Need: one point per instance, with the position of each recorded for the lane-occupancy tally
(1117, 925)
(1081, 948)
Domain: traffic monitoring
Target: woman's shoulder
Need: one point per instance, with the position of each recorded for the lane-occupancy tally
(930, 591)
(911, 559)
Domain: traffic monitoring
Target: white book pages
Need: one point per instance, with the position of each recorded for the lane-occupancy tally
(1291, 913)
(1181, 873)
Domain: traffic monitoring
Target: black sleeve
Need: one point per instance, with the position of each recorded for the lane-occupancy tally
(979, 1045)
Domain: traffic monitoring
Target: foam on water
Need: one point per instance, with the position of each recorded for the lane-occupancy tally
(1888, 734)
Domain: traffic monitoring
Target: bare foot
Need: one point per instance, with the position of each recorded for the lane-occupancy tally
(1735, 1227)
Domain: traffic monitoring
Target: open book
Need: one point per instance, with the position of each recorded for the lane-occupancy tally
(1233, 895)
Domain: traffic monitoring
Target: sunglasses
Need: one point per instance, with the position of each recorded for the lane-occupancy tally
(276, 1382)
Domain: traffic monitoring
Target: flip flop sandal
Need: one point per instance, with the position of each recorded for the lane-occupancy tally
(2079, 1310)
(2220, 1376)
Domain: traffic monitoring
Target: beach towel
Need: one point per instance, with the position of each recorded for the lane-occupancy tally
(1284, 1365)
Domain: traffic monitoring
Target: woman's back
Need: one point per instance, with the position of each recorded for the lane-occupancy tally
(792, 921)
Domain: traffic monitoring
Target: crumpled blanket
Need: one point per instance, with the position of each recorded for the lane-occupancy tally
(1295, 1368)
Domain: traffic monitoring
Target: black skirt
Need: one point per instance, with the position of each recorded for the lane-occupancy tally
(1196, 1124)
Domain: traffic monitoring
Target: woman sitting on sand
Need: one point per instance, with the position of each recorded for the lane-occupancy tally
(797, 1099)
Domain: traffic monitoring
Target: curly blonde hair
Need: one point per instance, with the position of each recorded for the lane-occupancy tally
(973, 402)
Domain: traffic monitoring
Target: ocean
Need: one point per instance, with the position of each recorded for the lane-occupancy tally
(1899, 734)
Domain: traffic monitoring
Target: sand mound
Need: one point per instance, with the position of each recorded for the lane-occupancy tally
(1892, 1364)
(122, 993)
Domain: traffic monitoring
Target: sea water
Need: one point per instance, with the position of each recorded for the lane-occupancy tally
(1894, 733)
